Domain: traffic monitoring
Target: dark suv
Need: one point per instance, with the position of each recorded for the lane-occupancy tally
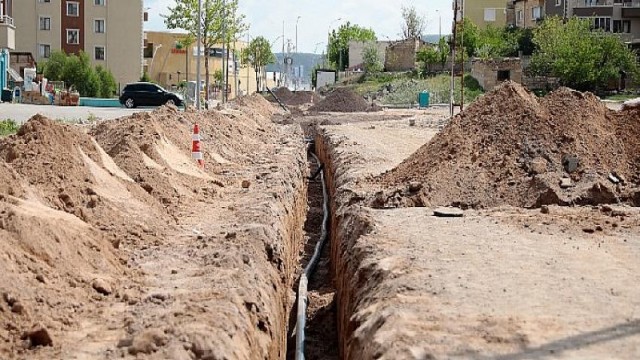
(148, 94)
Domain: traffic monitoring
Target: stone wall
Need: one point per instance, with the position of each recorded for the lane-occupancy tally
(356, 51)
(488, 72)
(401, 56)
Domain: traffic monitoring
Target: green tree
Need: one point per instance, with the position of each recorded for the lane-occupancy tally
(443, 51)
(412, 24)
(184, 15)
(371, 59)
(496, 42)
(427, 56)
(581, 58)
(54, 66)
(467, 37)
(108, 85)
(258, 54)
(338, 47)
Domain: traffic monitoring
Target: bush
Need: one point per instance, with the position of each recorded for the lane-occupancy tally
(76, 71)
(8, 127)
(108, 85)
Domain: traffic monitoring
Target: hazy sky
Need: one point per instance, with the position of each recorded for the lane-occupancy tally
(317, 16)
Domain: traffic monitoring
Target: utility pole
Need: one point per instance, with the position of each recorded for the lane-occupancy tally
(453, 56)
(225, 51)
(199, 53)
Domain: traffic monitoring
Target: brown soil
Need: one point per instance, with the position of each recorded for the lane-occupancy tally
(296, 98)
(117, 245)
(510, 148)
(343, 100)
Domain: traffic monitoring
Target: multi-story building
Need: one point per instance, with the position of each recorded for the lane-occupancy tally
(109, 31)
(7, 39)
(616, 16)
(486, 12)
(528, 13)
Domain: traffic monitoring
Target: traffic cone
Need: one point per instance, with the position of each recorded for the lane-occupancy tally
(196, 152)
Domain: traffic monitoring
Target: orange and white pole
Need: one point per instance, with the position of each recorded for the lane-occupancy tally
(196, 151)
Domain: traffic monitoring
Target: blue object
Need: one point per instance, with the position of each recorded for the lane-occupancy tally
(4, 64)
(423, 99)
(97, 102)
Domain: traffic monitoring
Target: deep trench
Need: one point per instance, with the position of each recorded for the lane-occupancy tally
(321, 332)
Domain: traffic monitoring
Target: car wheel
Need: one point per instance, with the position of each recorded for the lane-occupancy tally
(170, 102)
(129, 103)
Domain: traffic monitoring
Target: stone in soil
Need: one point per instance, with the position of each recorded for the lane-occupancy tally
(38, 336)
(101, 286)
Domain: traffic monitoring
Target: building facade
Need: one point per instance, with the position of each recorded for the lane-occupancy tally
(486, 12)
(528, 13)
(168, 63)
(7, 39)
(109, 31)
(615, 16)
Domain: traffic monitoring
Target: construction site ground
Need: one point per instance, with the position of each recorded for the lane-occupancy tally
(503, 283)
(116, 244)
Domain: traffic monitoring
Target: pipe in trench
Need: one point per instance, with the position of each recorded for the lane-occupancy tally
(311, 266)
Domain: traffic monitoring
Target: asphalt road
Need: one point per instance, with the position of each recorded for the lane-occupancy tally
(22, 112)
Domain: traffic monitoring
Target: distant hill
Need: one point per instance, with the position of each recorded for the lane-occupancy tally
(307, 60)
(433, 38)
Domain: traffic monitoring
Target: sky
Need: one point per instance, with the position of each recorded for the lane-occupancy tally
(318, 16)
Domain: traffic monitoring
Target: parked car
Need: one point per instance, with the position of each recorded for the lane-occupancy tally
(148, 94)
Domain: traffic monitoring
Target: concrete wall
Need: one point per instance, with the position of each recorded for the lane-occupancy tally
(525, 7)
(356, 51)
(486, 71)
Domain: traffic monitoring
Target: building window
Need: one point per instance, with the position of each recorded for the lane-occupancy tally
(73, 36)
(45, 1)
(45, 50)
(558, 2)
(489, 15)
(45, 23)
(519, 17)
(602, 23)
(99, 53)
(504, 75)
(98, 25)
(99, 2)
(535, 13)
(73, 8)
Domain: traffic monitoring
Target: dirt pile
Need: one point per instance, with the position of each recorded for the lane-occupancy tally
(296, 98)
(511, 148)
(344, 100)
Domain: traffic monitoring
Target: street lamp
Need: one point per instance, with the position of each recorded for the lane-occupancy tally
(439, 24)
(199, 54)
(329, 36)
(295, 87)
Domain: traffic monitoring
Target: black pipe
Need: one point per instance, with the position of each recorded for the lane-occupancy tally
(311, 266)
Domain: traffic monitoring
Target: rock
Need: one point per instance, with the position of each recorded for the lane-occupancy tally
(415, 186)
(570, 163)
(160, 296)
(246, 259)
(589, 230)
(246, 184)
(17, 308)
(412, 122)
(544, 209)
(566, 183)
(148, 342)
(448, 212)
(599, 228)
(38, 336)
(9, 298)
(614, 179)
(174, 271)
(40, 278)
(230, 235)
(538, 165)
(101, 286)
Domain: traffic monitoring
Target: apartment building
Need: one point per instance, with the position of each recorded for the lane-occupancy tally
(109, 31)
(7, 39)
(528, 13)
(616, 16)
(486, 12)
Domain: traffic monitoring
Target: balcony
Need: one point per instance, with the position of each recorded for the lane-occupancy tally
(7, 33)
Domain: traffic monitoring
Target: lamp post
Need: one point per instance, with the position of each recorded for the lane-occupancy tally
(155, 51)
(439, 24)
(329, 38)
(298, 75)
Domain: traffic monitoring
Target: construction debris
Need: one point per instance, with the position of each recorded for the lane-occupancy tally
(344, 100)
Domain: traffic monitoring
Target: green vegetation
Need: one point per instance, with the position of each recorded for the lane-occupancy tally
(338, 48)
(620, 97)
(580, 57)
(8, 127)
(412, 24)
(76, 71)
(372, 62)
(403, 89)
(258, 54)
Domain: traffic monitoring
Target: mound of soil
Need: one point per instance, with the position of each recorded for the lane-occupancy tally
(344, 100)
(511, 148)
(296, 98)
